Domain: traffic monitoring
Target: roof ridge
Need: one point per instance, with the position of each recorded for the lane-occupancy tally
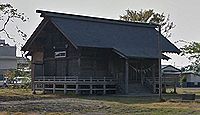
(91, 18)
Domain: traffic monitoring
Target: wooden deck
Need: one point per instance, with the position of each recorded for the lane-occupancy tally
(75, 85)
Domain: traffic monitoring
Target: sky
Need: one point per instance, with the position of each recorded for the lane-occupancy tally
(184, 13)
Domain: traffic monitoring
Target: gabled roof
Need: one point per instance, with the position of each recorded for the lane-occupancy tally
(169, 68)
(130, 39)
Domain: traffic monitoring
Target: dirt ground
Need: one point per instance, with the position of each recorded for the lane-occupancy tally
(22, 102)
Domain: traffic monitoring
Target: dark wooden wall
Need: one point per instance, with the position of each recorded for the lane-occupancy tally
(94, 62)
(100, 63)
(47, 43)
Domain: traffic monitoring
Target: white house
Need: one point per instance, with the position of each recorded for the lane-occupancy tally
(192, 79)
(170, 76)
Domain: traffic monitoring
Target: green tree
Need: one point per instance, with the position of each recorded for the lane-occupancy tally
(150, 16)
(9, 16)
(10, 74)
(192, 51)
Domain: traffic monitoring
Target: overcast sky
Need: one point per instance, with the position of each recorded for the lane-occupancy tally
(184, 13)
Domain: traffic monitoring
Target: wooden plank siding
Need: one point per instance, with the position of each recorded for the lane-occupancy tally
(86, 63)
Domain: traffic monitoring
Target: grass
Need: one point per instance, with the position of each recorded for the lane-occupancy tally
(189, 90)
(105, 104)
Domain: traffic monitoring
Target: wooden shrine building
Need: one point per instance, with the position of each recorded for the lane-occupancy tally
(89, 55)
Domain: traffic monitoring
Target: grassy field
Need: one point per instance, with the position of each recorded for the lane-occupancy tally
(22, 102)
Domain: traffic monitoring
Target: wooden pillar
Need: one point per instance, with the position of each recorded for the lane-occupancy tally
(104, 89)
(76, 88)
(154, 79)
(79, 66)
(43, 88)
(141, 74)
(33, 88)
(54, 88)
(126, 76)
(33, 76)
(142, 77)
(104, 86)
(65, 88)
(175, 88)
(175, 85)
(90, 85)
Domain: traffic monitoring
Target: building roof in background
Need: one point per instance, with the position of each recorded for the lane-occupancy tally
(191, 72)
(169, 68)
(129, 38)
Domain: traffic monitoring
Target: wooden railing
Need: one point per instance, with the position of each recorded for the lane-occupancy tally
(166, 80)
(75, 84)
(72, 79)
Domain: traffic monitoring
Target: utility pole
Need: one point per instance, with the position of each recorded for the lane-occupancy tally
(159, 61)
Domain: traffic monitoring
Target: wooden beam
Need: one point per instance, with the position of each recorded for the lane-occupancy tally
(126, 76)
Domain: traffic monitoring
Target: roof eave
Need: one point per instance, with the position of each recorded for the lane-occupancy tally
(33, 36)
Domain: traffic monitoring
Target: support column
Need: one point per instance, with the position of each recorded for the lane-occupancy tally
(154, 79)
(175, 86)
(76, 88)
(90, 85)
(142, 77)
(54, 88)
(43, 88)
(33, 76)
(33, 87)
(65, 87)
(126, 76)
(104, 86)
(104, 89)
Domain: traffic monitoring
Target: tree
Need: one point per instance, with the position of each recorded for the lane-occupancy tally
(150, 16)
(192, 51)
(9, 16)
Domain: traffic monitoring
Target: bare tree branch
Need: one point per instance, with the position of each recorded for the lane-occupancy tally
(9, 14)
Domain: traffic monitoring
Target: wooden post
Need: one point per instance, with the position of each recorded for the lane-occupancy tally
(54, 88)
(164, 82)
(175, 85)
(65, 87)
(79, 66)
(90, 85)
(142, 78)
(43, 88)
(174, 88)
(104, 86)
(154, 80)
(126, 76)
(77, 88)
(33, 87)
(76, 85)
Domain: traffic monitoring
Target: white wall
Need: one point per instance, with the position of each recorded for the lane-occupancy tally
(8, 63)
(193, 78)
